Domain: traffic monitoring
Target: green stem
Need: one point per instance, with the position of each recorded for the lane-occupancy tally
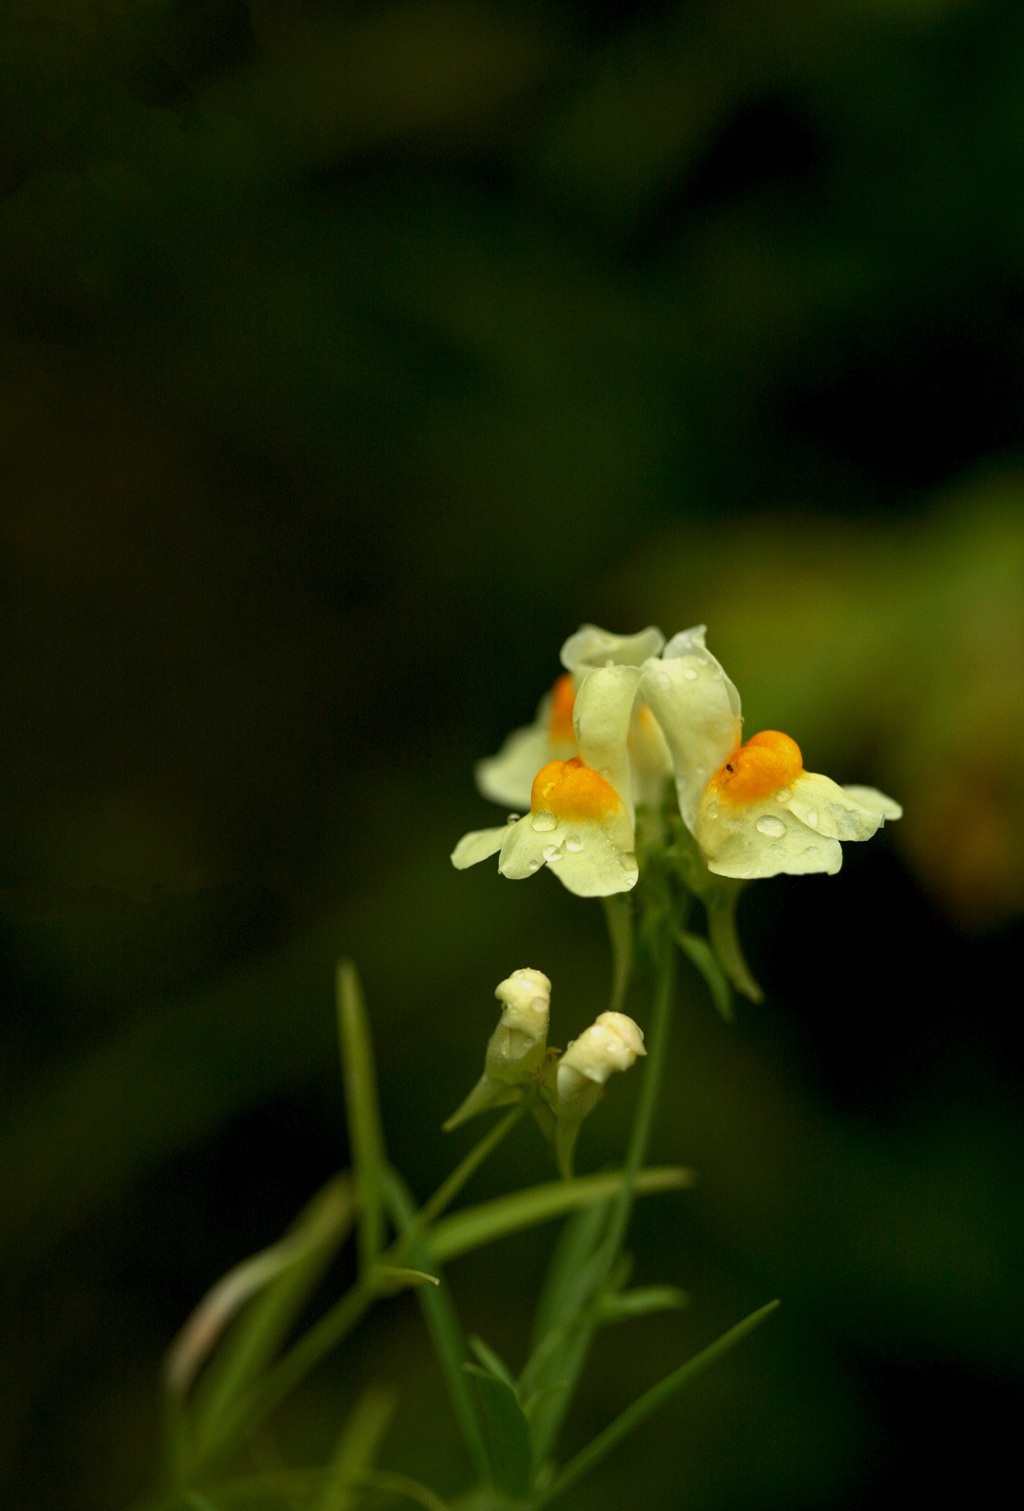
(601, 1266)
(656, 1044)
(618, 915)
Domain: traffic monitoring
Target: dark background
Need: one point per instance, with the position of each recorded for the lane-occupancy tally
(350, 356)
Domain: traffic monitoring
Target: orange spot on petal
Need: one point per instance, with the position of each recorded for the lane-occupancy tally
(563, 696)
(767, 762)
(572, 790)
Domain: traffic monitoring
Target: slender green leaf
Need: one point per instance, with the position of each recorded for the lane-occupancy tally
(363, 1111)
(721, 907)
(329, 1330)
(273, 1387)
(391, 1278)
(506, 1431)
(589, 1457)
(467, 1230)
(552, 1383)
(641, 1302)
(276, 1285)
(558, 1346)
(562, 1294)
(700, 954)
(492, 1361)
(444, 1327)
(357, 1447)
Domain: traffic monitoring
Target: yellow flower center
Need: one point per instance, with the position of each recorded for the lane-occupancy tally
(563, 696)
(766, 763)
(571, 790)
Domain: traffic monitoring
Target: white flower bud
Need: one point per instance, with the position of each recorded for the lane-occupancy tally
(526, 996)
(612, 1042)
(518, 1043)
(518, 1046)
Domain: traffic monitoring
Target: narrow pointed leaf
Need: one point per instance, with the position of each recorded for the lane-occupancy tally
(700, 954)
(357, 1447)
(649, 1402)
(492, 1361)
(467, 1230)
(506, 1431)
(721, 908)
(641, 1302)
(363, 1112)
(443, 1325)
(390, 1278)
(256, 1337)
(321, 1226)
(563, 1293)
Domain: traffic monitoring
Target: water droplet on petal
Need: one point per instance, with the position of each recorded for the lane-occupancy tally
(544, 822)
(712, 810)
(574, 843)
(690, 674)
(783, 795)
(513, 818)
(628, 862)
(773, 827)
(812, 818)
(550, 852)
(533, 865)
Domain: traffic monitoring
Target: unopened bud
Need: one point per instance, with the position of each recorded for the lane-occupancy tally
(526, 996)
(517, 1047)
(612, 1042)
(518, 1043)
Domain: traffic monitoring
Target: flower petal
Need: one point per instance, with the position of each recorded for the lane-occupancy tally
(698, 709)
(870, 797)
(763, 838)
(831, 810)
(508, 776)
(592, 859)
(602, 718)
(591, 647)
(477, 846)
(650, 757)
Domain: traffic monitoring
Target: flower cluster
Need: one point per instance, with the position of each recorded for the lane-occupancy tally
(630, 713)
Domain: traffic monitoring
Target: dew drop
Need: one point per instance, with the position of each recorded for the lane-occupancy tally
(533, 865)
(543, 822)
(513, 818)
(550, 852)
(773, 827)
(690, 674)
(574, 843)
(712, 810)
(628, 862)
(783, 795)
(812, 818)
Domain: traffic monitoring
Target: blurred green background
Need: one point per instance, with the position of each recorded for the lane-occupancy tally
(351, 354)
